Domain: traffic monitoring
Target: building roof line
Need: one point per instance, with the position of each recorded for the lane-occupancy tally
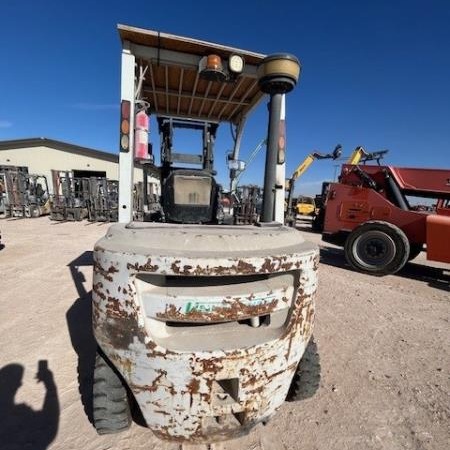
(58, 145)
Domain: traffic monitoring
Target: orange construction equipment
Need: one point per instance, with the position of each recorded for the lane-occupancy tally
(368, 213)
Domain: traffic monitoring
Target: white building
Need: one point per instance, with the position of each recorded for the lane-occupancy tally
(42, 155)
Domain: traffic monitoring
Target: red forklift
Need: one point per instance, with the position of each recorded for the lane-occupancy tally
(368, 212)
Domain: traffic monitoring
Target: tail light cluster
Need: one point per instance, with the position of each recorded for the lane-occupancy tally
(125, 109)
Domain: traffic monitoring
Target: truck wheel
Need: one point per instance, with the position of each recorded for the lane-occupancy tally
(377, 247)
(111, 407)
(414, 250)
(307, 375)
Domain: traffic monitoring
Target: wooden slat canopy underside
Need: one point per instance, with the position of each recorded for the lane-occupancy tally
(172, 83)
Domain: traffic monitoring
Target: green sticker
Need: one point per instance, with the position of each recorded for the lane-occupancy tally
(208, 307)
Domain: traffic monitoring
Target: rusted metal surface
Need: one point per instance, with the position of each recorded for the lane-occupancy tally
(232, 309)
(208, 302)
(193, 394)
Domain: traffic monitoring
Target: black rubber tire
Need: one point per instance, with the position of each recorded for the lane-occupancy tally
(414, 250)
(111, 406)
(306, 379)
(387, 240)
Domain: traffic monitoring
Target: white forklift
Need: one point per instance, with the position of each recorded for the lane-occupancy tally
(203, 329)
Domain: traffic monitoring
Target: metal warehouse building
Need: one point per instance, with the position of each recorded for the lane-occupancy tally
(42, 155)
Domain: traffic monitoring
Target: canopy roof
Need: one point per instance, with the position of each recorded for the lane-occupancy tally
(172, 83)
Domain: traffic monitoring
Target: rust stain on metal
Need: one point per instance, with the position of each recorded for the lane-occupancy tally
(147, 267)
(171, 312)
(240, 267)
(235, 309)
(176, 268)
(193, 386)
(316, 261)
(276, 264)
(289, 368)
(161, 411)
(121, 329)
(106, 274)
(153, 353)
(155, 384)
(288, 353)
(97, 289)
(207, 366)
(114, 310)
(268, 266)
(245, 267)
(239, 309)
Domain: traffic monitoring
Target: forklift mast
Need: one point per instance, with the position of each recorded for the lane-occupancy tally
(167, 125)
(188, 195)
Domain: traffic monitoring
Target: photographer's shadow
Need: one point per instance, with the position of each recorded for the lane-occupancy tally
(22, 427)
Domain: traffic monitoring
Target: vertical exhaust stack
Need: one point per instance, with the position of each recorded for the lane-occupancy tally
(277, 75)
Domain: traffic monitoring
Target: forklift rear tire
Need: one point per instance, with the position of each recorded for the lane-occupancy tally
(377, 247)
(307, 375)
(111, 406)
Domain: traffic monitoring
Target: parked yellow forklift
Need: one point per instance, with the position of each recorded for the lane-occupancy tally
(305, 206)
(205, 329)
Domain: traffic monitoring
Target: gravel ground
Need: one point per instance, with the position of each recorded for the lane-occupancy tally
(383, 344)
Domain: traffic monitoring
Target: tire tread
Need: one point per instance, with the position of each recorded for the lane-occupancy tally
(306, 379)
(402, 244)
(111, 406)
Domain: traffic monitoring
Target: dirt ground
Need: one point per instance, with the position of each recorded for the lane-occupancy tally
(383, 343)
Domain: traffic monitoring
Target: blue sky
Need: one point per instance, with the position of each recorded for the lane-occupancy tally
(375, 73)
